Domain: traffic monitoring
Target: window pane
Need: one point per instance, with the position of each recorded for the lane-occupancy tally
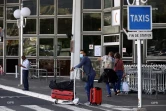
(10, 65)
(127, 45)
(32, 5)
(65, 7)
(63, 67)
(1, 23)
(29, 46)
(1, 2)
(47, 64)
(91, 39)
(12, 1)
(1, 11)
(157, 46)
(12, 47)
(10, 11)
(12, 29)
(92, 22)
(107, 18)
(46, 47)
(159, 10)
(47, 26)
(63, 47)
(107, 3)
(64, 25)
(46, 7)
(92, 4)
(125, 18)
(30, 27)
(114, 38)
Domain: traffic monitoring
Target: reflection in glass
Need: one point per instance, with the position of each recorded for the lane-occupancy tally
(12, 29)
(158, 10)
(47, 26)
(29, 46)
(157, 46)
(65, 7)
(125, 18)
(47, 64)
(114, 38)
(1, 11)
(63, 47)
(46, 7)
(107, 3)
(32, 5)
(1, 49)
(107, 18)
(63, 67)
(30, 27)
(92, 22)
(12, 47)
(1, 2)
(64, 25)
(92, 4)
(46, 47)
(91, 39)
(12, 1)
(127, 45)
(10, 11)
(97, 68)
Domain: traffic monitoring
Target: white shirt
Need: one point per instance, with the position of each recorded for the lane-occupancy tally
(26, 64)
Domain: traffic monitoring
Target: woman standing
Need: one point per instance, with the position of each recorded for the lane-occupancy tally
(119, 69)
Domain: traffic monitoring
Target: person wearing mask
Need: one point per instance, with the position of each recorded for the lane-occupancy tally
(25, 70)
(88, 70)
(119, 69)
(108, 63)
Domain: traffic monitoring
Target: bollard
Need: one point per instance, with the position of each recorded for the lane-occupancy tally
(16, 75)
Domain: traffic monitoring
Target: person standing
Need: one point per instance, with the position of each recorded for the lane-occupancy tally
(88, 70)
(25, 71)
(119, 69)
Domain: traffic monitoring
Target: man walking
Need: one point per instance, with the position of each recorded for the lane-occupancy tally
(25, 70)
(88, 70)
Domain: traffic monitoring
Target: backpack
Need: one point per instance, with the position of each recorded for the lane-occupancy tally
(108, 62)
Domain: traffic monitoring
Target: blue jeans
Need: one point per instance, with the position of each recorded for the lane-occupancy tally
(25, 79)
(118, 83)
(89, 85)
(108, 88)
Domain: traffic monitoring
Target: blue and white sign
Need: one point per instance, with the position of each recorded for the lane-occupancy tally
(139, 18)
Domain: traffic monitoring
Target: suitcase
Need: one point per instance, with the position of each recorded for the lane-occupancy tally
(96, 96)
(61, 94)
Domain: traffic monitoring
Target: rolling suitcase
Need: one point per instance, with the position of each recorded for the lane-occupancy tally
(61, 94)
(96, 96)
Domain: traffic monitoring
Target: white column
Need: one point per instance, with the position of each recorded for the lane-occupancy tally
(73, 30)
(139, 68)
(77, 33)
(21, 44)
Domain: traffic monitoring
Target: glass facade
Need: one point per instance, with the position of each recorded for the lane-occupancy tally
(45, 40)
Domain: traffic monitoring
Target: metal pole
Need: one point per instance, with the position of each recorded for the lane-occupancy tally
(139, 68)
(16, 76)
(21, 44)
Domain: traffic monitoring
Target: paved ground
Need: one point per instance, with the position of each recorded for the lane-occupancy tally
(39, 89)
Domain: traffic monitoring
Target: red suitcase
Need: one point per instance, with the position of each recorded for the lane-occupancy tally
(96, 96)
(64, 95)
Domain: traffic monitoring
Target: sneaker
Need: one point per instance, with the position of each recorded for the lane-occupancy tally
(108, 95)
(87, 103)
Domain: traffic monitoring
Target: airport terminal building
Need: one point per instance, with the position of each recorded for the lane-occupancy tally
(100, 30)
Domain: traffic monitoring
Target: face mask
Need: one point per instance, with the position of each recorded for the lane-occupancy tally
(81, 55)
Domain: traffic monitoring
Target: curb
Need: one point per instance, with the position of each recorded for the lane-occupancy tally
(28, 93)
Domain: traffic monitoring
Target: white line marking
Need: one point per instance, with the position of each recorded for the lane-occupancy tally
(4, 108)
(73, 108)
(36, 108)
(121, 108)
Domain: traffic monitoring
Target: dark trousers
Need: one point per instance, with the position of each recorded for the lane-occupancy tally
(25, 79)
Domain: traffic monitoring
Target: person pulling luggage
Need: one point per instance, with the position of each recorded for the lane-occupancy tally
(88, 70)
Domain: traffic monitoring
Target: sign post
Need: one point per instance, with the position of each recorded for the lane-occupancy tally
(140, 23)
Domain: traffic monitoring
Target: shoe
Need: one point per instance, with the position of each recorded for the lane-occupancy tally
(25, 89)
(116, 93)
(87, 103)
(108, 95)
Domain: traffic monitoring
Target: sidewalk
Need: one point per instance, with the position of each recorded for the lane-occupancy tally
(42, 87)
